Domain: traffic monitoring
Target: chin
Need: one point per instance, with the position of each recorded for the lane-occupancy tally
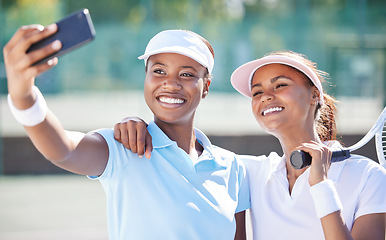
(271, 128)
(267, 127)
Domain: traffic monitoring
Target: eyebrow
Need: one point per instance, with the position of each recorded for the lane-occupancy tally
(163, 64)
(158, 63)
(272, 80)
(189, 67)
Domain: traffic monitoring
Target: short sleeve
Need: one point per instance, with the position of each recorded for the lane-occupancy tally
(114, 148)
(372, 199)
(244, 202)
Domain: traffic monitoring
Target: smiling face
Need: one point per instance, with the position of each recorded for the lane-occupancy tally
(174, 87)
(282, 99)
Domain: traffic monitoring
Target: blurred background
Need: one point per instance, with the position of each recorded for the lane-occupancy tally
(102, 82)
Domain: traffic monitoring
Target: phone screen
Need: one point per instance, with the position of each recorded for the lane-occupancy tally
(73, 31)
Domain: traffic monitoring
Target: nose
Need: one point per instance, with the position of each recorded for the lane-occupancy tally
(267, 96)
(172, 84)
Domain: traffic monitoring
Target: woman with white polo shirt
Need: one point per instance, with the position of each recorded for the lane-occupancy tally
(187, 189)
(342, 200)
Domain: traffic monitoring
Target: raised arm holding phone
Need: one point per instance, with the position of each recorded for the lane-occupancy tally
(188, 189)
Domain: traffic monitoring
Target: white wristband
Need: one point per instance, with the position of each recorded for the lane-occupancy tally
(32, 116)
(326, 199)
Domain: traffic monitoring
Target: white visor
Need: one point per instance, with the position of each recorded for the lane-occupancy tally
(181, 42)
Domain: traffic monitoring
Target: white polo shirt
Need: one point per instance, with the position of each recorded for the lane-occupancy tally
(276, 214)
(169, 196)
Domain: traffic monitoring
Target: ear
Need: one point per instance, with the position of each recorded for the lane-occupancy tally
(315, 96)
(206, 87)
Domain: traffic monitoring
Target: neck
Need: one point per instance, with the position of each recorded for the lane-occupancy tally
(289, 140)
(182, 134)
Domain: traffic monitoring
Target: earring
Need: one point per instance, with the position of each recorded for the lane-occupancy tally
(204, 93)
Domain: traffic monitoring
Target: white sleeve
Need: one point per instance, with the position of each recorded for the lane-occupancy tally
(372, 198)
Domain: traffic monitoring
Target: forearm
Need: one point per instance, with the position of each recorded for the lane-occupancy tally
(42, 126)
(334, 227)
(370, 226)
(78, 153)
(240, 226)
(73, 151)
(51, 140)
(328, 208)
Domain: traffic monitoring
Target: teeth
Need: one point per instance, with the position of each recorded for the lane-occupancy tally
(270, 110)
(171, 100)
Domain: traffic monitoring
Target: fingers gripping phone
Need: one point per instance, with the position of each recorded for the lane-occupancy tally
(73, 31)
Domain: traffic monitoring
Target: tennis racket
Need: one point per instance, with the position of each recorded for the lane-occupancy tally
(300, 159)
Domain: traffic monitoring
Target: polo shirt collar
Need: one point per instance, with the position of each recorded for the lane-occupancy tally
(203, 140)
(160, 140)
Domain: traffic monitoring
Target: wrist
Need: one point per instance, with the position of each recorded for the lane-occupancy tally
(315, 180)
(325, 197)
(35, 112)
(23, 102)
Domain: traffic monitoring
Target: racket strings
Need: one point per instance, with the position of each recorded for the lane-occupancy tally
(383, 140)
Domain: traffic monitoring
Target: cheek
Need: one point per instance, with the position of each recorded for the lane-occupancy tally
(146, 86)
(150, 84)
(148, 89)
(195, 89)
(255, 109)
(299, 98)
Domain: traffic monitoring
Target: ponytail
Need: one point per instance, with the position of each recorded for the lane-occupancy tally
(325, 122)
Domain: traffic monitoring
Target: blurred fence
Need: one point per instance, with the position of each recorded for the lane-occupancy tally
(346, 38)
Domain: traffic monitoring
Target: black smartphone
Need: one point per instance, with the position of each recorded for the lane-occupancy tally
(73, 31)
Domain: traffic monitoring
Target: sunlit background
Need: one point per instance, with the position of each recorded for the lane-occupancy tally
(102, 82)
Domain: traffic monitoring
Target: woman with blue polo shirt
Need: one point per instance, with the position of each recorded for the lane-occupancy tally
(187, 189)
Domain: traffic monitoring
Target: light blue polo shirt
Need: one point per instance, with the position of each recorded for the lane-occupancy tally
(169, 197)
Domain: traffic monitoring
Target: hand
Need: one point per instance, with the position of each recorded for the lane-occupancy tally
(321, 161)
(20, 74)
(132, 133)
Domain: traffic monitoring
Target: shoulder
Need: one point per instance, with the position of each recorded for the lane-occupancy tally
(115, 147)
(119, 156)
(358, 164)
(359, 171)
(262, 160)
(225, 156)
(222, 151)
(106, 133)
(260, 167)
(362, 182)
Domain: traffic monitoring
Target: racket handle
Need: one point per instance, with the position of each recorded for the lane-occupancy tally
(300, 159)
